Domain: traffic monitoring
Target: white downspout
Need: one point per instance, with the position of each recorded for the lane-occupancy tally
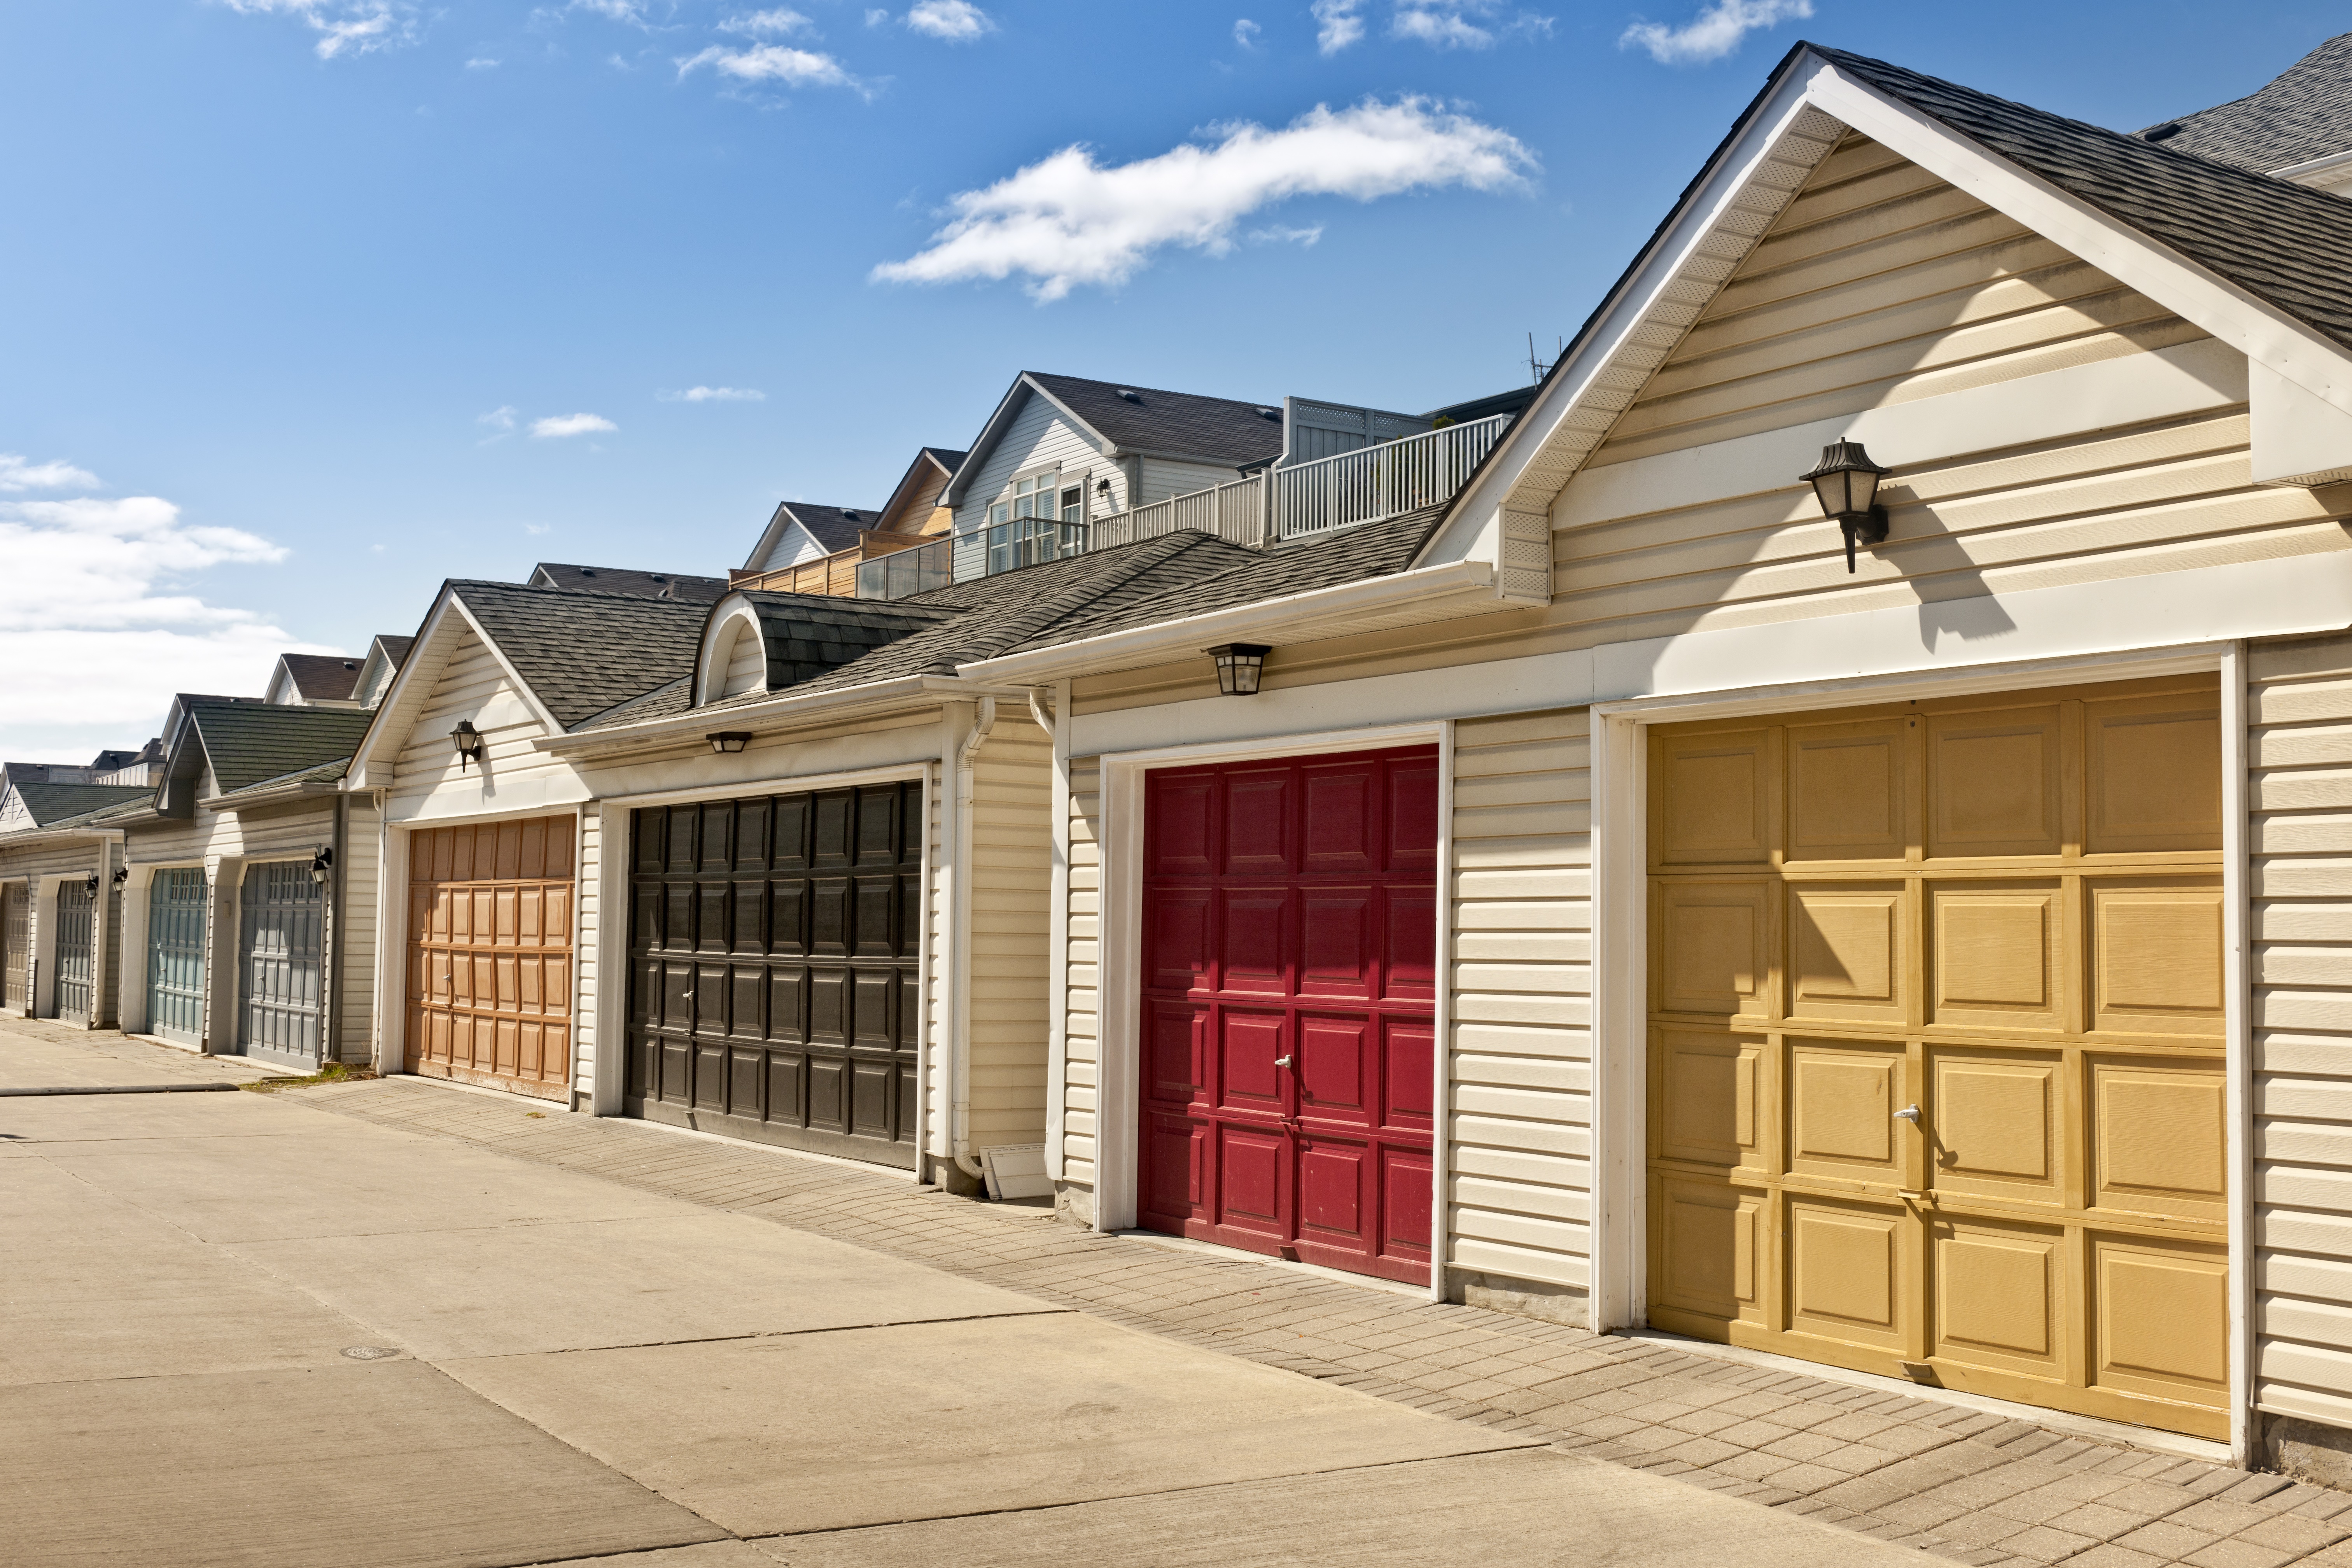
(960, 1107)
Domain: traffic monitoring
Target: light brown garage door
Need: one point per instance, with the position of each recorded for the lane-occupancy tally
(489, 955)
(1936, 1013)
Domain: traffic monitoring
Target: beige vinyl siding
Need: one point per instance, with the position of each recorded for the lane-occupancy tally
(587, 933)
(1159, 478)
(1037, 435)
(1881, 285)
(1519, 1052)
(1082, 999)
(471, 685)
(32, 862)
(1011, 875)
(356, 940)
(938, 927)
(747, 663)
(2299, 792)
(110, 978)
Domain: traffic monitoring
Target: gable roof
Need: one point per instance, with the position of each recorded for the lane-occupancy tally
(811, 634)
(626, 580)
(50, 805)
(320, 677)
(2260, 262)
(2304, 112)
(394, 649)
(1126, 420)
(246, 743)
(834, 529)
(580, 653)
(919, 488)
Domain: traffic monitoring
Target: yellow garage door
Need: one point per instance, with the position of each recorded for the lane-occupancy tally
(1935, 1048)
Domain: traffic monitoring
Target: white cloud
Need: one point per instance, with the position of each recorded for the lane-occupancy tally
(535, 529)
(1245, 33)
(876, 16)
(1447, 25)
(481, 65)
(713, 394)
(630, 11)
(18, 475)
(957, 21)
(1067, 220)
(775, 24)
(1712, 33)
(98, 628)
(1278, 234)
(345, 27)
(1338, 24)
(558, 426)
(498, 418)
(772, 62)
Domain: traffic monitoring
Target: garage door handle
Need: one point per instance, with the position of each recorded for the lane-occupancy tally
(1282, 1061)
(1908, 1113)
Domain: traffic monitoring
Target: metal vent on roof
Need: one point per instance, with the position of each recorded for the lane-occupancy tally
(656, 576)
(587, 571)
(849, 514)
(1130, 396)
(351, 663)
(1273, 413)
(2159, 132)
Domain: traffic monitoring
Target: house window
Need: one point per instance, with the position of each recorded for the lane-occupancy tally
(1031, 497)
(1074, 501)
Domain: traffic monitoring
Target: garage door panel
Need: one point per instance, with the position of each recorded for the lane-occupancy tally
(490, 954)
(1290, 922)
(1973, 1136)
(804, 1035)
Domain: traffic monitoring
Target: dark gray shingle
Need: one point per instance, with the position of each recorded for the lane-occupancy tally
(581, 653)
(2306, 112)
(1178, 423)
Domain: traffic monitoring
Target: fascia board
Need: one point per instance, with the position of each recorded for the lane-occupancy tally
(778, 520)
(1270, 616)
(990, 435)
(1624, 313)
(2257, 329)
(241, 800)
(394, 716)
(767, 717)
(2304, 173)
(731, 608)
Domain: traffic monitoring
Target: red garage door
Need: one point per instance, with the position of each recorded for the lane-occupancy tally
(1289, 929)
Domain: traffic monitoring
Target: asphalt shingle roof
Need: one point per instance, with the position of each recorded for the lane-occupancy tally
(810, 634)
(324, 773)
(581, 653)
(1179, 422)
(624, 580)
(2283, 243)
(248, 742)
(395, 649)
(2304, 113)
(834, 527)
(323, 677)
(52, 805)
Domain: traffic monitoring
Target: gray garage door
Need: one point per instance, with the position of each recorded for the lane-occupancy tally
(175, 955)
(14, 972)
(77, 923)
(277, 961)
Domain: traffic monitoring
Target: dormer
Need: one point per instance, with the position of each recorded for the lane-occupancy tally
(760, 642)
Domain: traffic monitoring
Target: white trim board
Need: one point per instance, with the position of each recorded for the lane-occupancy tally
(2284, 597)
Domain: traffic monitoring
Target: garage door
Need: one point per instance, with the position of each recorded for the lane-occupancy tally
(282, 931)
(774, 968)
(76, 911)
(1935, 1081)
(489, 955)
(1289, 930)
(175, 954)
(14, 972)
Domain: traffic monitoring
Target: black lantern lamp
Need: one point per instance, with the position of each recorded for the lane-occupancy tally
(322, 859)
(469, 742)
(1240, 666)
(1846, 481)
(121, 875)
(92, 883)
(730, 740)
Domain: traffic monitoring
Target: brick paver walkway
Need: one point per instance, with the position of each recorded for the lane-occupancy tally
(1962, 1484)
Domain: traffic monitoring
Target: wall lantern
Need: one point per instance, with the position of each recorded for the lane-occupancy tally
(729, 741)
(92, 883)
(320, 859)
(1846, 481)
(1240, 666)
(121, 875)
(469, 742)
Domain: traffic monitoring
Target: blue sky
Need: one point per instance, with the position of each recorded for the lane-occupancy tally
(310, 304)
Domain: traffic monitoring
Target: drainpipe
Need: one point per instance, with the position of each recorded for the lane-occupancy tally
(959, 1112)
(330, 1042)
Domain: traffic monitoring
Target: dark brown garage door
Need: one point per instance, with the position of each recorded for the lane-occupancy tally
(774, 949)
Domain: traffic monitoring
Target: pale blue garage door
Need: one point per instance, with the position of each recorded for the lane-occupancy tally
(77, 923)
(278, 958)
(175, 955)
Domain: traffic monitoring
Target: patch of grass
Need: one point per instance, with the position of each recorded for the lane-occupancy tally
(334, 1072)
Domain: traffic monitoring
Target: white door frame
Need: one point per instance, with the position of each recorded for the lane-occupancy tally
(1620, 957)
(1118, 1024)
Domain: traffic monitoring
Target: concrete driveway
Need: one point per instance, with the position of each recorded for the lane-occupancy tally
(235, 1328)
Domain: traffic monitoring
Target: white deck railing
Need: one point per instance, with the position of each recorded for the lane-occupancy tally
(1387, 481)
(1363, 486)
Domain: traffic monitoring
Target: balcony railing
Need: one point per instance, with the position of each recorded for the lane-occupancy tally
(960, 557)
(1298, 502)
